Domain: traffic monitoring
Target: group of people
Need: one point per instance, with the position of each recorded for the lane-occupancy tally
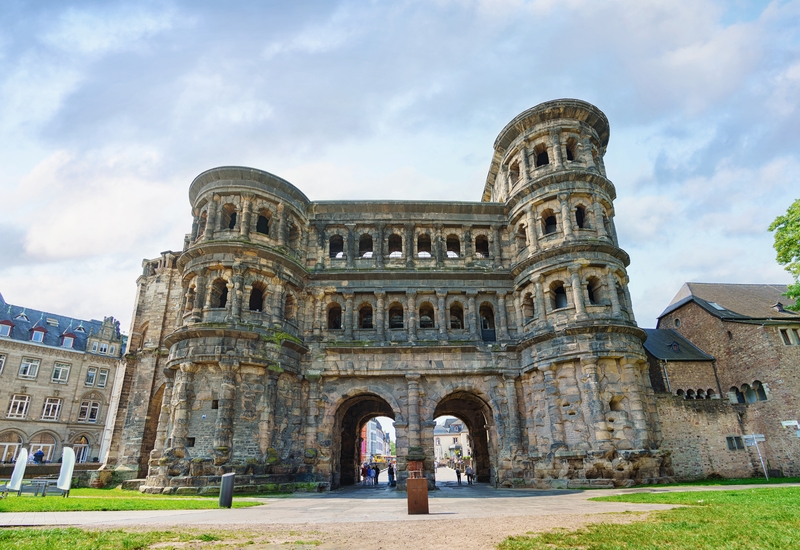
(370, 472)
(458, 466)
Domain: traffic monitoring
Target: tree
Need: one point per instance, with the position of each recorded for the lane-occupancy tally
(787, 245)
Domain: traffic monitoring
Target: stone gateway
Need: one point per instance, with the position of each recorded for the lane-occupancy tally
(285, 324)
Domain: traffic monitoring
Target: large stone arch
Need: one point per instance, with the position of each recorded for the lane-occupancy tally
(478, 416)
(350, 416)
(151, 427)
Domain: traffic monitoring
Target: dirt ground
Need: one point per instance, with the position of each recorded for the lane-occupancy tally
(444, 534)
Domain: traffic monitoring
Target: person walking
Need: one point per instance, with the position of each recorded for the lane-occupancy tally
(470, 473)
(458, 473)
(364, 474)
(390, 473)
(373, 475)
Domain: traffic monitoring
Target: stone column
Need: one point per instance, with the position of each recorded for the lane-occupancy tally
(566, 216)
(588, 158)
(377, 245)
(195, 225)
(558, 436)
(519, 316)
(601, 164)
(525, 164)
(442, 295)
(612, 228)
(312, 409)
(348, 316)
(512, 434)
(634, 391)
(577, 291)
(237, 294)
(281, 224)
(267, 423)
(411, 306)
(200, 294)
(502, 184)
(408, 244)
(611, 282)
(467, 248)
(502, 321)
(380, 307)
(413, 410)
(533, 229)
(629, 304)
(181, 408)
(231, 298)
(439, 246)
(349, 245)
(541, 312)
(211, 218)
(497, 259)
(321, 259)
(602, 437)
(223, 427)
(244, 223)
(598, 220)
(164, 415)
(555, 143)
(277, 305)
(472, 316)
(316, 325)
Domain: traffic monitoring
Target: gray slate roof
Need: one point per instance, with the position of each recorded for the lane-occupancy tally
(736, 301)
(669, 345)
(25, 319)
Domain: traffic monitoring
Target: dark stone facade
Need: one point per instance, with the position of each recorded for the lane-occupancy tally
(285, 324)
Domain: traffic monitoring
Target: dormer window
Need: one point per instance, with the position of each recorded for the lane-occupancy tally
(68, 341)
(94, 347)
(103, 348)
(37, 334)
(5, 328)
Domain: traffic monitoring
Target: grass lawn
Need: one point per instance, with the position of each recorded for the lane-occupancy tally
(752, 518)
(89, 500)
(733, 481)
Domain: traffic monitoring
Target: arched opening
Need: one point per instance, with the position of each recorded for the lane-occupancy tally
(456, 316)
(294, 236)
(580, 217)
(572, 149)
(701, 394)
(395, 246)
(528, 311)
(453, 246)
(680, 393)
(426, 315)
(690, 394)
(201, 225)
(219, 293)
(365, 317)
(710, 393)
(549, 223)
(540, 153)
(43, 442)
(521, 236)
(424, 246)
(228, 217)
(559, 293)
(81, 447)
(10, 444)
(513, 173)
(761, 394)
(616, 404)
(482, 246)
(365, 246)
(150, 429)
(289, 308)
(336, 246)
(736, 395)
(256, 302)
(395, 316)
(486, 313)
(348, 446)
(334, 317)
(749, 393)
(593, 286)
(262, 223)
(477, 419)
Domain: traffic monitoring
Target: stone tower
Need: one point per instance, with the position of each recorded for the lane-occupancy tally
(286, 324)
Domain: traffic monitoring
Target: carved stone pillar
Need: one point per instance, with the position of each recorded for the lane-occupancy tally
(439, 246)
(558, 436)
(321, 241)
(267, 424)
(411, 306)
(555, 143)
(598, 220)
(413, 410)
(244, 223)
(628, 304)
(533, 229)
(380, 308)
(634, 391)
(611, 283)
(408, 243)
(237, 293)
(195, 225)
(312, 408)
(348, 316)
(281, 224)
(518, 314)
(199, 298)
(316, 325)
(467, 251)
(577, 291)
(223, 427)
(164, 415)
(472, 315)
(602, 437)
(211, 219)
(350, 248)
(566, 216)
(541, 313)
(377, 246)
(497, 259)
(181, 408)
(441, 295)
(526, 165)
(502, 319)
(512, 435)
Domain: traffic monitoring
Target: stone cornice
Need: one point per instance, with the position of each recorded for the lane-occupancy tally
(567, 248)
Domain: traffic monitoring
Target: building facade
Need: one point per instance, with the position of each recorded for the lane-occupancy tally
(284, 324)
(57, 377)
(724, 365)
(451, 440)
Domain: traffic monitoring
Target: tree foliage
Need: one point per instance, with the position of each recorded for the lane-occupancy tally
(787, 245)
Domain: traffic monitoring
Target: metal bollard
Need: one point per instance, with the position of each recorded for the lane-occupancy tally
(226, 490)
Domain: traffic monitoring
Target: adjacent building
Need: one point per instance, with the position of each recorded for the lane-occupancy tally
(451, 440)
(57, 376)
(724, 365)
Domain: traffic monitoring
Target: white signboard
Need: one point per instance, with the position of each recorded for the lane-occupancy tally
(790, 424)
(750, 440)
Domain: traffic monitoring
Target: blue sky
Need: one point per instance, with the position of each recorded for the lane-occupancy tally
(108, 110)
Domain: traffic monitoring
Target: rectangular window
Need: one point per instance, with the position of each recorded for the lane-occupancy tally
(455, 440)
(112, 350)
(52, 407)
(60, 373)
(37, 336)
(29, 368)
(103, 348)
(785, 335)
(18, 407)
(68, 341)
(102, 378)
(2, 363)
(735, 443)
(5, 330)
(89, 411)
(190, 441)
(94, 347)
(91, 376)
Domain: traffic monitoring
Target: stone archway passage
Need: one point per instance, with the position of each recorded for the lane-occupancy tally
(151, 428)
(476, 415)
(350, 417)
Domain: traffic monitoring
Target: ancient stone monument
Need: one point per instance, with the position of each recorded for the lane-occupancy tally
(285, 324)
